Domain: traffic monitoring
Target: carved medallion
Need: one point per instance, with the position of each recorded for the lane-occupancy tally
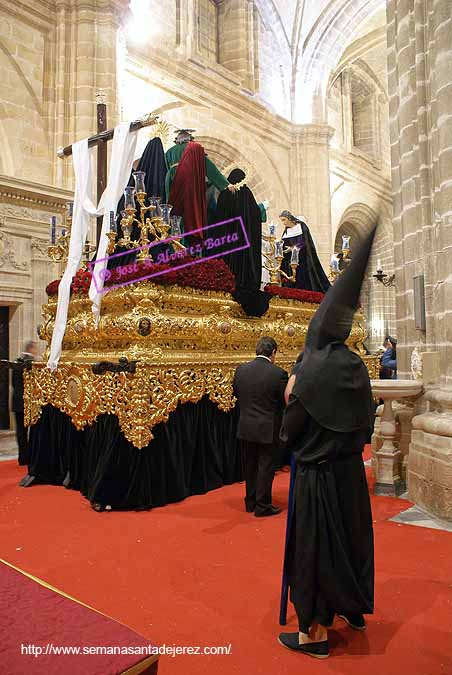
(144, 326)
(225, 327)
(74, 391)
(79, 327)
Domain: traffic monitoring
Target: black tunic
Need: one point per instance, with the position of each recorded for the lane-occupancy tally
(246, 264)
(329, 562)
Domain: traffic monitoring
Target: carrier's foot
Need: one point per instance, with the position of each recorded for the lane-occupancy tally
(355, 621)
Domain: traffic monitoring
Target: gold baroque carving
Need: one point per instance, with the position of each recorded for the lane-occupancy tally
(140, 400)
(187, 344)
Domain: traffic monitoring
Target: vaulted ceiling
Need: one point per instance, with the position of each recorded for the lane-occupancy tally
(316, 33)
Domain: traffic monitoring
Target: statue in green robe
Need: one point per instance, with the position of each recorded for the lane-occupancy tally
(173, 157)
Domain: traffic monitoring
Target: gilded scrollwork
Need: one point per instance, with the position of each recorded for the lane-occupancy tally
(140, 400)
(187, 344)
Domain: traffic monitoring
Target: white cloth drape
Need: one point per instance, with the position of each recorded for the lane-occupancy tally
(122, 156)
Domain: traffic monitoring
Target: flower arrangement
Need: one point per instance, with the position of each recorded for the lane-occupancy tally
(314, 297)
(80, 283)
(213, 275)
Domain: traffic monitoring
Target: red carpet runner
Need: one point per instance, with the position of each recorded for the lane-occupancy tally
(205, 573)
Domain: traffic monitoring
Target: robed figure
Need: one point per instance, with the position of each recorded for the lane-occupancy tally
(310, 275)
(330, 557)
(189, 173)
(246, 264)
(153, 163)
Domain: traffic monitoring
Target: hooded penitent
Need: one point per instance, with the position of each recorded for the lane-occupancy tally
(246, 265)
(328, 365)
(330, 559)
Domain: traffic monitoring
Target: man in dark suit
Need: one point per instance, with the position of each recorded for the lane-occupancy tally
(259, 387)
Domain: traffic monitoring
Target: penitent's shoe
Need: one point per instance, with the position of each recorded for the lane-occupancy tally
(318, 650)
(355, 621)
(271, 511)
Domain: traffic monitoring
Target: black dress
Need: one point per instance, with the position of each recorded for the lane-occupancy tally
(329, 562)
(246, 264)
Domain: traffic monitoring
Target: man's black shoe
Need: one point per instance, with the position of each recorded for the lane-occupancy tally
(319, 650)
(248, 507)
(271, 511)
(355, 621)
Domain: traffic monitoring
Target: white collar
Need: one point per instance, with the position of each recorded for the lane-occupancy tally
(262, 356)
(293, 231)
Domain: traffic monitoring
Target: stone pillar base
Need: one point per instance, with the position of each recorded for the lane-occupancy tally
(390, 489)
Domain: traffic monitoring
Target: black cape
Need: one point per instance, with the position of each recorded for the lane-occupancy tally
(245, 265)
(153, 162)
(310, 275)
(329, 559)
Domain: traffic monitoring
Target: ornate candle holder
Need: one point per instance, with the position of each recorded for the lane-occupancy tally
(340, 261)
(275, 255)
(59, 249)
(154, 220)
(88, 248)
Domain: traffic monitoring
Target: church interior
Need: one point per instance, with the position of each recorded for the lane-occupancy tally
(314, 121)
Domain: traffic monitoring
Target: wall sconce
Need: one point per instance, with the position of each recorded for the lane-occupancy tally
(382, 277)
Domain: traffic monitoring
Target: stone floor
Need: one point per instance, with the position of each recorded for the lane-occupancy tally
(417, 516)
(8, 446)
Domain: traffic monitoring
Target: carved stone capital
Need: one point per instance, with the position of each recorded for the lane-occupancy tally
(315, 134)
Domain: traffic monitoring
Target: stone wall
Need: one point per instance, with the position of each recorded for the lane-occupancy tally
(420, 90)
(25, 268)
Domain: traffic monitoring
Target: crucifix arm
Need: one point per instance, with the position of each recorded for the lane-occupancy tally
(107, 135)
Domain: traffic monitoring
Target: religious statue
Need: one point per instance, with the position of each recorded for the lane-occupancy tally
(189, 169)
(310, 275)
(246, 265)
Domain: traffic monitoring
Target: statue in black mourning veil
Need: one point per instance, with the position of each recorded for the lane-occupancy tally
(310, 275)
(246, 265)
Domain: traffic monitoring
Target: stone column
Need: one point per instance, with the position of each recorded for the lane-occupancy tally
(347, 109)
(312, 156)
(237, 48)
(85, 46)
(420, 101)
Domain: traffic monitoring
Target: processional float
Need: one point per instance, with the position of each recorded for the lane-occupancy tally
(161, 344)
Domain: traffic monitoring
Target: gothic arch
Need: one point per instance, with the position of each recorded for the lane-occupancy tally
(321, 53)
(224, 155)
(22, 79)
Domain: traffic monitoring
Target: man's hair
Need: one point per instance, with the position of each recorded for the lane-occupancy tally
(30, 344)
(391, 340)
(266, 346)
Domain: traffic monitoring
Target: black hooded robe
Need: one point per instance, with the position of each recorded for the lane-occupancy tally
(330, 556)
(245, 265)
(153, 162)
(310, 275)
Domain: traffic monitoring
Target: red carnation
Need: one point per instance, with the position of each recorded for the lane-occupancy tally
(313, 297)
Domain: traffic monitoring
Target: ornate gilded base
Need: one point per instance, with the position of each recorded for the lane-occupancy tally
(187, 343)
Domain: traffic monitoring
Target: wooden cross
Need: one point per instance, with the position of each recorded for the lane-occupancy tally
(100, 139)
